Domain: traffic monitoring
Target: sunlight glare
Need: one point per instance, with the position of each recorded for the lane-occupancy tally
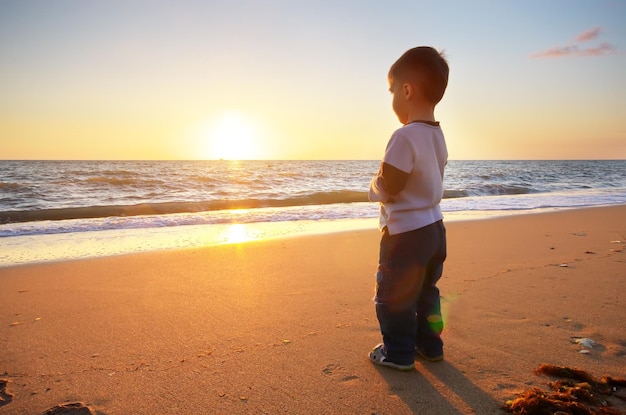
(234, 137)
(238, 233)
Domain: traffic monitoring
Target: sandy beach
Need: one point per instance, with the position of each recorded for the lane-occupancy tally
(284, 326)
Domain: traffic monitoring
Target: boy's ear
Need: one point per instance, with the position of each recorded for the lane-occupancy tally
(407, 90)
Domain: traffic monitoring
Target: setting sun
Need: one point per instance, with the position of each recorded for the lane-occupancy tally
(234, 136)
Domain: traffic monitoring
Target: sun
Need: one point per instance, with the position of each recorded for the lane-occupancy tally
(233, 136)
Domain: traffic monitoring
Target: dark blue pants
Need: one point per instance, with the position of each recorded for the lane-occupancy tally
(407, 298)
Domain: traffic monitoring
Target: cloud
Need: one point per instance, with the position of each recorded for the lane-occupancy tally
(556, 52)
(602, 49)
(563, 51)
(588, 35)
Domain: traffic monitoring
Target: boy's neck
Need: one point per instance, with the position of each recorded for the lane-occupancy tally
(419, 113)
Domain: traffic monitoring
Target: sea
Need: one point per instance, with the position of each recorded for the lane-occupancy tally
(60, 210)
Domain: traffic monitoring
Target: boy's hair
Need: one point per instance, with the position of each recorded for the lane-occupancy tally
(427, 65)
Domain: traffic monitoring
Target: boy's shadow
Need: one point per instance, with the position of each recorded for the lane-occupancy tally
(439, 388)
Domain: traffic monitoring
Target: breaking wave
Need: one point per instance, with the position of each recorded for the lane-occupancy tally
(321, 198)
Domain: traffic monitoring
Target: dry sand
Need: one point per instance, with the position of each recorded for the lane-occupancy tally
(284, 326)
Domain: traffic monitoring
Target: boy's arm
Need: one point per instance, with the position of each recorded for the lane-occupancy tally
(387, 183)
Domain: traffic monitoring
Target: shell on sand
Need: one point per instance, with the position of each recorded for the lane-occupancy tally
(585, 342)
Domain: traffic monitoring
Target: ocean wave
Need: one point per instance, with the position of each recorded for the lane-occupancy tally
(35, 193)
(489, 189)
(154, 217)
(223, 200)
(320, 198)
(496, 189)
(114, 181)
(217, 217)
(12, 187)
(453, 194)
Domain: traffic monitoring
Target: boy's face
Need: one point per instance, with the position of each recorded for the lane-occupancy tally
(399, 102)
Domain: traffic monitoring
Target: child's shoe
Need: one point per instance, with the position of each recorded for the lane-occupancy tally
(430, 355)
(377, 356)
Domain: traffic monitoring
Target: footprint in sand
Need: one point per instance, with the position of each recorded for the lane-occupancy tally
(574, 325)
(330, 369)
(617, 349)
(334, 370)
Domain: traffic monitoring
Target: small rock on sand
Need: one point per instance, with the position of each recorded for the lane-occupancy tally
(5, 396)
(70, 408)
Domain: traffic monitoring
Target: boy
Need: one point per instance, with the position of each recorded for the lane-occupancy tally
(409, 187)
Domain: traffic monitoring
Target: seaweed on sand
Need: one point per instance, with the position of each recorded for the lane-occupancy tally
(576, 393)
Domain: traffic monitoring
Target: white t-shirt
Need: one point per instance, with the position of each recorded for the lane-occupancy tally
(418, 149)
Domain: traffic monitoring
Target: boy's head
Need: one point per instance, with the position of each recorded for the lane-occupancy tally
(426, 69)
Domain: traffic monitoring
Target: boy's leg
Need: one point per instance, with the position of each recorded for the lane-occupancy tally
(396, 315)
(400, 278)
(429, 320)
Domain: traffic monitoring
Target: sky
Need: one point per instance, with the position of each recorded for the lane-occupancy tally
(101, 80)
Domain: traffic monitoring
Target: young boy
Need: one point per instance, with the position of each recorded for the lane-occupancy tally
(409, 187)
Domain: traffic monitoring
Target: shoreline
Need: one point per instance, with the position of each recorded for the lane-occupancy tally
(47, 248)
(284, 325)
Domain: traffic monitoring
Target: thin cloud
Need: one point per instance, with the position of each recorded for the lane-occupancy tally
(588, 35)
(556, 52)
(602, 49)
